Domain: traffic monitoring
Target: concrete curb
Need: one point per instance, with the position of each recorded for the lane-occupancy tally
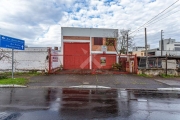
(92, 86)
(104, 87)
(155, 89)
(169, 89)
(13, 86)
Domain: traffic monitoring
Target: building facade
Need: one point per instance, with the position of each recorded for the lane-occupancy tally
(138, 53)
(140, 48)
(88, 48)
(169, 47)
(169, 44)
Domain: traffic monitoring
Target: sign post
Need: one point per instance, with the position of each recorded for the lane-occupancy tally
(12, 43)
(12, 63)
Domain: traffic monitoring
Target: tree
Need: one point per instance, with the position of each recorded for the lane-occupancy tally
(124, 42)
(4, 55)
(121, 40)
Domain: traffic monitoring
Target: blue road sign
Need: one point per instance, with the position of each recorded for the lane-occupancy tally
(12, 43)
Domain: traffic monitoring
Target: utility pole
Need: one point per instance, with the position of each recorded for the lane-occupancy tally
(166, 63)
(146, 49)
(162, 43)
(127, 44)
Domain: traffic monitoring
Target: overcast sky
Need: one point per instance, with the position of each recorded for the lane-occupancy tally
(39, 22)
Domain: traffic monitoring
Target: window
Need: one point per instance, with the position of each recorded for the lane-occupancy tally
(176, 44)
(177, 48)
(98, 41)
(110, 41)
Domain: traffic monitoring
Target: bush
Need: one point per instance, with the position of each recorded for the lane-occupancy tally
(3, 77)
(117, 66)
(166, 76)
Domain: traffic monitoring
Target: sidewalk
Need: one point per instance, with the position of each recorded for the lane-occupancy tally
(124, 81)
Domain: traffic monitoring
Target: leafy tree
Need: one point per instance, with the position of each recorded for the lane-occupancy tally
(121, 42)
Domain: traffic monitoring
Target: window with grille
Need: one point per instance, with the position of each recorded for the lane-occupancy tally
(98, 41)
(110, 41)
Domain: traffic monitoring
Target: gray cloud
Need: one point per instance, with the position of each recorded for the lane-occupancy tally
(39, 22)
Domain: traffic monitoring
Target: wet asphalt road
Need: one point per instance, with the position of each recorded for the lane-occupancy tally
(127, 81)
(79, 104)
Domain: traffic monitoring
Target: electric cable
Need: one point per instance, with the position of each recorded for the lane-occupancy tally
(161, 19)
(155, 17)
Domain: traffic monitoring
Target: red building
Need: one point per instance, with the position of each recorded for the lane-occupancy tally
(88, 48)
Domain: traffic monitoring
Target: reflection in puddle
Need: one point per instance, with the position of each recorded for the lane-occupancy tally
(89, 102)
(70, 103)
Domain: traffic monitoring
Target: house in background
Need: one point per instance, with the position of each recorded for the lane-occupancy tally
(139, 50)
(169, 44)
(138, 53)
(169, 47)
(84, 48)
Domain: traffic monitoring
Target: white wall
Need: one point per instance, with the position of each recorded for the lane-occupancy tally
(29, 59)
(165, 43)
(89, 32)
(171, 64)
(172, 53)
(170, 46)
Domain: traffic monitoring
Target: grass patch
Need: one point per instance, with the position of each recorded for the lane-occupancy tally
(30, 73)
(17, 81)
(144, 75)
(167, 76)
(27, 73)
(20, 78)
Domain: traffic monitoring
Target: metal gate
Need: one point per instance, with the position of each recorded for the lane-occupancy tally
(76, 55)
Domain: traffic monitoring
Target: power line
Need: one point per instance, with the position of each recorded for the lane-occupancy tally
(152, 34)
(156, 20)
(164, 14)
(161, 19)
(172, 32)
(154, 17)
(156, 38)
(151, 20)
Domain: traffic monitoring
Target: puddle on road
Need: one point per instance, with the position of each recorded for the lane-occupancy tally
(76, 103)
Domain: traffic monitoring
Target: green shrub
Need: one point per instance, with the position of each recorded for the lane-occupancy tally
(166, 76)
(117, 66)
(3, 77)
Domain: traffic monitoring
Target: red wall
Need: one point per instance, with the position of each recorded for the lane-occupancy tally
(110, 59)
